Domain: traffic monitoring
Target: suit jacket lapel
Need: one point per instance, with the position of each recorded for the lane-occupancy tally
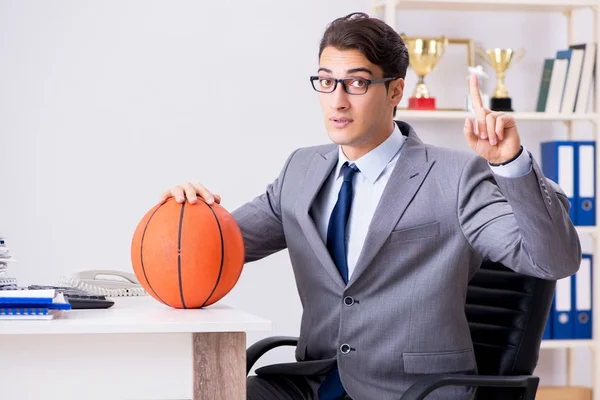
(411, 169)
(318, 171)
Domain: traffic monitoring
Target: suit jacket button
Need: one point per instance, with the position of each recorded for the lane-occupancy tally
(349, 301)
(345, 348)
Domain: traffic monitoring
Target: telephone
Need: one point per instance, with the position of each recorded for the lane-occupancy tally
(109, 283)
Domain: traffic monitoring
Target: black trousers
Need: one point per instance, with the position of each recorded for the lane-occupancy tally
(283, 387)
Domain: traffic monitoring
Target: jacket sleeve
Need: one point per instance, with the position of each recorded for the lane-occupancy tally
(522, 222)
(260, 220)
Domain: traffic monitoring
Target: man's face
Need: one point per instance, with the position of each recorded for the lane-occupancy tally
(356, 120)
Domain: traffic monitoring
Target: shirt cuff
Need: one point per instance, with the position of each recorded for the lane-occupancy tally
(519, 167)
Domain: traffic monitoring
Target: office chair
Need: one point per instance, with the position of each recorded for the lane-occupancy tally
(507, 314)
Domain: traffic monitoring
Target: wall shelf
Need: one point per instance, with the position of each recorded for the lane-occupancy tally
(587, 230)
(490, 5)
(416, 115)
(568, 344)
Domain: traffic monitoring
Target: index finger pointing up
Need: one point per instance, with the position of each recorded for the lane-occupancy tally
(475, 94)
(478, 109)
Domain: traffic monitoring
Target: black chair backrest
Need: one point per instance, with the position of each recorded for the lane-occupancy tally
(507, 314)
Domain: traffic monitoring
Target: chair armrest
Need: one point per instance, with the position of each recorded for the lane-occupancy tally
(254, 352)
(429, 383)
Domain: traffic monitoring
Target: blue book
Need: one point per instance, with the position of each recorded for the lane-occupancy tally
(559, 159)
(18, 311)
(53, 306)
(548, 329)
(564, 55)
(33, 299)
(29, 313)
(585, 195)
(582, 294)
(563, 313)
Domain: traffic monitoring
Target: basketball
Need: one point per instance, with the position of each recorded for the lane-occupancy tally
(187, 255)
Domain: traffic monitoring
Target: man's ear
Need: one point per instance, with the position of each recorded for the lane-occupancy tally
(396, 92)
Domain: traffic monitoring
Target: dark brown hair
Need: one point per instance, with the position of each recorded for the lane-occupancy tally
(375, 39)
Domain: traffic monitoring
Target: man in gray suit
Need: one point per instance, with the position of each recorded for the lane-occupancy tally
(384, 231)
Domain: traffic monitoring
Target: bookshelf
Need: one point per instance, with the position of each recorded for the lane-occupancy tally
(388, 9)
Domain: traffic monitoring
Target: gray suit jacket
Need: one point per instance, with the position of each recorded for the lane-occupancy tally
(441, 213)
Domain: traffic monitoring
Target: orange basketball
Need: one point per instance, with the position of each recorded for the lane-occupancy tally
(187, 255)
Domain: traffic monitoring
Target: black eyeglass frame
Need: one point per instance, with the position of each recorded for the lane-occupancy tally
(369, 82)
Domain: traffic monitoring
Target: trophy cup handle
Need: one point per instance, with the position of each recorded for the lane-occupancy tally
(519, 54)
(480, 51)
(445, 42)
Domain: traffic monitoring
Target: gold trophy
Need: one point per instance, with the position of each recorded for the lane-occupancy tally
(424, 54)
(500, 60)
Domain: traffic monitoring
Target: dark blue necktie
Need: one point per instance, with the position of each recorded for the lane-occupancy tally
(332, 388)
(336, 232)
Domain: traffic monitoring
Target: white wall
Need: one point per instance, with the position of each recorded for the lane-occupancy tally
(103, 105)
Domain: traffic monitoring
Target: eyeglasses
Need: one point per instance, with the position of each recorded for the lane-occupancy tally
(351, 85)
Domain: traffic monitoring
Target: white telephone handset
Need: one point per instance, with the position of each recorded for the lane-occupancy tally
(109, 283)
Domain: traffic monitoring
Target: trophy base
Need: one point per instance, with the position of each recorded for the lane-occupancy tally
(501, 104)
(421, 103)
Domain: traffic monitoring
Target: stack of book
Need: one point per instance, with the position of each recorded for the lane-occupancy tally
(5, 259)
(567, 80)
(32, 304)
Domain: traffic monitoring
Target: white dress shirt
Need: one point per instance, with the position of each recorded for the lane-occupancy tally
(368, 184)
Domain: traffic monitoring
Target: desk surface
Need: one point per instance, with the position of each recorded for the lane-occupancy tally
(140, 315)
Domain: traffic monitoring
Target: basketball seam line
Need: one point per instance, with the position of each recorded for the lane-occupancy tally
(222, 256)
(179, 255)
(142, 254)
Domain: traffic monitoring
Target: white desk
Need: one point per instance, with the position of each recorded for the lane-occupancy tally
(138, 349)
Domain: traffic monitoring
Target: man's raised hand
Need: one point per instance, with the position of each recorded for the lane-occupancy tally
(496, 138)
